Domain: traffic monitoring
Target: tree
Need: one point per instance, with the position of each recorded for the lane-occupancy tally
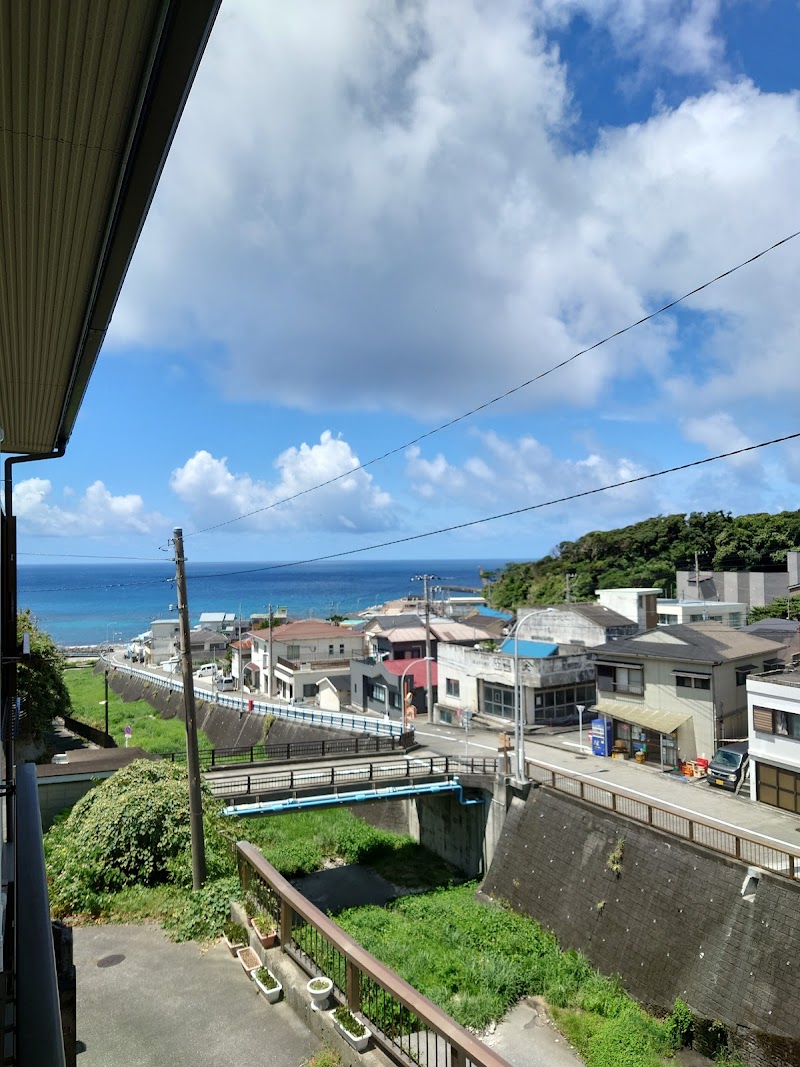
(776, 610)
(40, 681)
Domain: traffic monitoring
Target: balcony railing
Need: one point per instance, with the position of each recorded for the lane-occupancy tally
(608, 685)
(411, 1028)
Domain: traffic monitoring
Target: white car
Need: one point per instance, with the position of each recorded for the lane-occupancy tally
(208, 670)
(226, 682)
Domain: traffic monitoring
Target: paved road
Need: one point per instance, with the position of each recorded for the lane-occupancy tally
(143, 1000)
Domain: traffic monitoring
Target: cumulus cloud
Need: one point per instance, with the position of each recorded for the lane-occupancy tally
(96, 513)
(719, 433)
(215, 494)
(391, 199)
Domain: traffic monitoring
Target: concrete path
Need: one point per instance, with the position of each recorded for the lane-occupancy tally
(143, 1000)
(527, 1038)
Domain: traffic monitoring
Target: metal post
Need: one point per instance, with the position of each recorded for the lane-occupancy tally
(192, 756)
(105, 743)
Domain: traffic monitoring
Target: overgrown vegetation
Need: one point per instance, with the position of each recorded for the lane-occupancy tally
(475, 961)
(781, 608)
(648, 553)
(40, 682)
(149, 730)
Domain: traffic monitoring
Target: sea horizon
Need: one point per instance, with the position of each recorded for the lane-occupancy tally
(94, 602)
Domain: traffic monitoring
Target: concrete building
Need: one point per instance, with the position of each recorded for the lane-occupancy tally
(380, 686)
(676, 692)
(553, 680)
(303, 653)
(164, 641)
(754, 588)
(675, 612)
(575, 624)
(640, 605)
(773, 711)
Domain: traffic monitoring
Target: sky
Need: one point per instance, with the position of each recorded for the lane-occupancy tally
(380, 215)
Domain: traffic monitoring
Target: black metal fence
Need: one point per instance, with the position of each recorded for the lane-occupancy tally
(297, 750)
(89, 733)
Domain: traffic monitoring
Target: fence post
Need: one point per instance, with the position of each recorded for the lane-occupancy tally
(458, 1057)
(353, 983)
(213, 752)
(285, 924)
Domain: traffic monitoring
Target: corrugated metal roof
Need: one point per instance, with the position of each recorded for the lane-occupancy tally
(528, 649)
(663, 722)
(90, 94)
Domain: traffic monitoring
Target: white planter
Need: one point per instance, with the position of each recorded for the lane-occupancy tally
(358, 1043)
(319, 997)
(248, 957)
(273, 994)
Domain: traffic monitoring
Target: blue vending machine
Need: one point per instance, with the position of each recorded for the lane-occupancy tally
(601, 737)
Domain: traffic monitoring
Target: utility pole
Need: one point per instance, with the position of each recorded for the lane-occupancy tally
(271, 671)
(569, 591)
(105, 742)
(192, 756)
(425, 578)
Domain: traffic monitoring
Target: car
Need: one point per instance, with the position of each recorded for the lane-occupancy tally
(226, 682)
(728, 765)
(208, 670)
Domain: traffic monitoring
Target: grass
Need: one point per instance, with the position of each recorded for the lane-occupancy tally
(149, 730)
(475, 961)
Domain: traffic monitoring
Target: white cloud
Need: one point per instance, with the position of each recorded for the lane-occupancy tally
(214, 494)
(719, 433)
(383, 213)
(98, 513)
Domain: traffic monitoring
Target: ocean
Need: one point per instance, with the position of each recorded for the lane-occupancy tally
(84, 604)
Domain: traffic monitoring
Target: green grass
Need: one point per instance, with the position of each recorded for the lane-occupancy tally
(475, 961)
(149, 730)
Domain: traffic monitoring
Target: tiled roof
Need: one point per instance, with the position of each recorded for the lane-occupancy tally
(702, 642)
(291, 631)
(418, 672)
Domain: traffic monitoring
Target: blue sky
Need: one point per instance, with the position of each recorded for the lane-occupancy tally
(377, 216)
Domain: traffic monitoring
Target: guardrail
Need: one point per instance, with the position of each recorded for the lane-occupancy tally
(212, 758)
(755, 849)
(404, 1022)
(293, 712)
(330, 777)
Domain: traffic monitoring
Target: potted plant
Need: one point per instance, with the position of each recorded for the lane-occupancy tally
(319, 989)
(268, 984)
(350, 1028)
(265, 929)
(234, 936)
(248, 957)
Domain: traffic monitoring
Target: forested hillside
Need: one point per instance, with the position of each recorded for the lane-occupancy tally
(648, 553)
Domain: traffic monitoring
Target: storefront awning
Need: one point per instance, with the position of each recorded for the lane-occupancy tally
(663, 722)
(252, 667)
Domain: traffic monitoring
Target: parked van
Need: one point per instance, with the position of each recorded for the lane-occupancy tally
(226, 682)
(728, 765)
(208, 670)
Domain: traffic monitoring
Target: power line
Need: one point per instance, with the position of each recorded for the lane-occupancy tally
(501, 396)
(515, 511)
(79, 555)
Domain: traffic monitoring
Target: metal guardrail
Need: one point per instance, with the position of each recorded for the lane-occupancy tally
(330, 777)
(404, 1023)
(756, 849)
(294, 713)
(213, 758)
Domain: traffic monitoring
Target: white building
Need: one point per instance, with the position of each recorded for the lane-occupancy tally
(674, 612)
(640, 605)
(773, 709)
(303, 653)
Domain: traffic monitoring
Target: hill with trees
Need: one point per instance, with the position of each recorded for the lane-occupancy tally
(647, 554)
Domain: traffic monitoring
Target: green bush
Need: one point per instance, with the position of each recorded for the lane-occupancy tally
(205, 912)
(679, 1025)
(132, 829)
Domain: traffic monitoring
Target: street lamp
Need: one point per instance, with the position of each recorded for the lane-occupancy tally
(518, 732)
(411, 663)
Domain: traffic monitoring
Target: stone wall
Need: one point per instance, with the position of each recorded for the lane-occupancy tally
(672, 921)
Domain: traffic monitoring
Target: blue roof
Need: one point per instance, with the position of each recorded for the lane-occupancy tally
(484, 609)
(528, 649)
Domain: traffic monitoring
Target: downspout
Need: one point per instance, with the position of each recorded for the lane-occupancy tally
(714, 739)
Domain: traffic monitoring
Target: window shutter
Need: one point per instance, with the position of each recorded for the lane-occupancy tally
(762, 719)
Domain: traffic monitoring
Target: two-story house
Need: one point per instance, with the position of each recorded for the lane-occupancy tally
(303, 653)
(676, 692)
(773, 705)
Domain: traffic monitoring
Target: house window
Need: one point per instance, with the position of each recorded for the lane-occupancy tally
(685, 681)
(375, 691)
(779, 723)
(741, 675)
(628, 680)
(453, 687)
(293, 652)
(341, 649)
(310, 690)
(498, 700)
(330, 650)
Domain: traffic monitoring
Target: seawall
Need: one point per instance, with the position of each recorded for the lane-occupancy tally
(668, 917)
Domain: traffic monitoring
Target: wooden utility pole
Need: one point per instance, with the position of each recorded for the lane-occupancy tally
(271, 671)
(192, 757)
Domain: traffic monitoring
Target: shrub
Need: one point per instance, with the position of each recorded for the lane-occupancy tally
(679, 1025)
(205, 912)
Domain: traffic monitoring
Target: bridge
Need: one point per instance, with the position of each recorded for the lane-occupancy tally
(295, 789)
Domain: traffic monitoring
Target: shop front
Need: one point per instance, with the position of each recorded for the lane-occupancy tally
(642, 734)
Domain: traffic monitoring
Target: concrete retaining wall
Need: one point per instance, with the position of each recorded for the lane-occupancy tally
(672, 923)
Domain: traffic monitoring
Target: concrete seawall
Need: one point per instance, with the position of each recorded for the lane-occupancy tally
(671, 920)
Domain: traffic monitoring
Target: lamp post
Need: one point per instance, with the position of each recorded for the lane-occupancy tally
(519, 745)
(411, 663)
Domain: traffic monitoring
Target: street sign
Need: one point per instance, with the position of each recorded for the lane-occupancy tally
(128, 731)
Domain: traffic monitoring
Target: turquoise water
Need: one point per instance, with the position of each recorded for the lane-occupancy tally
(81, 604)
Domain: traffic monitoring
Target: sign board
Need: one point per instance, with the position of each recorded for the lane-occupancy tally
(128, 731)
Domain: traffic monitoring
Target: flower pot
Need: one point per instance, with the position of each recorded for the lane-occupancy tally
(232, 946)
(319, 990)
(248, 957)
(268, 937)
(359, 1043)
(272, 995)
